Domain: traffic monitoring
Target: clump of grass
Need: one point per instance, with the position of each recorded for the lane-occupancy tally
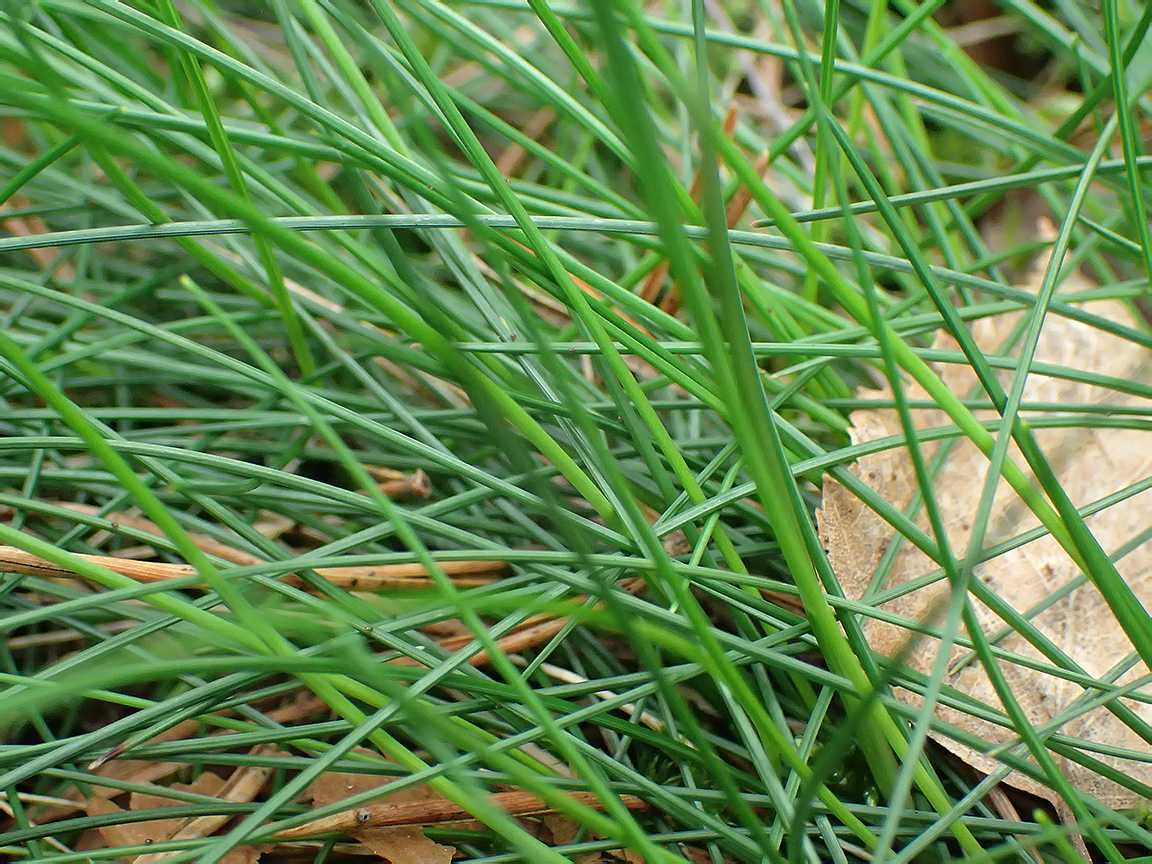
(502, 305)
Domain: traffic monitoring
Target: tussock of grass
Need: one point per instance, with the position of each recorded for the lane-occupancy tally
(299, 287)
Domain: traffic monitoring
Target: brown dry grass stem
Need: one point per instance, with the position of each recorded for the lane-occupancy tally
(438, 811)
(378, 577)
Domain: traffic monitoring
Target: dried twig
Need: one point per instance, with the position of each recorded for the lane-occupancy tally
(368, 577)
(438, 811)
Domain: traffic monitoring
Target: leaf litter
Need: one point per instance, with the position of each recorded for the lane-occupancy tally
(241, 787)
(399, 844)
(1037, 579)
(389, 829)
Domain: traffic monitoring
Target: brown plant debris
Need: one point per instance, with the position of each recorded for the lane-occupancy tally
(1090, 463)
(376, 577)
(147, 772)
(419, 805)
(243, 786)
(402, 843)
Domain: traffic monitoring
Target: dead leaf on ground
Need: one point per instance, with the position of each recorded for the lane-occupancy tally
(160, 830)
(400, 844)
(1089, 463)
(391, 826)
(563, 831)
(142, 772)
(243, 786)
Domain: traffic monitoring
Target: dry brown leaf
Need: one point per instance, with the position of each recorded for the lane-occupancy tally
(160, 830)
(1090, 463)
(697, 856)
(400, 844)
(404, 845)
(110, 766)
(429, 808)
(243, 786)
(562, 830)
(137, 771)
(28, 226)
(628, 856)
(391, 827)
